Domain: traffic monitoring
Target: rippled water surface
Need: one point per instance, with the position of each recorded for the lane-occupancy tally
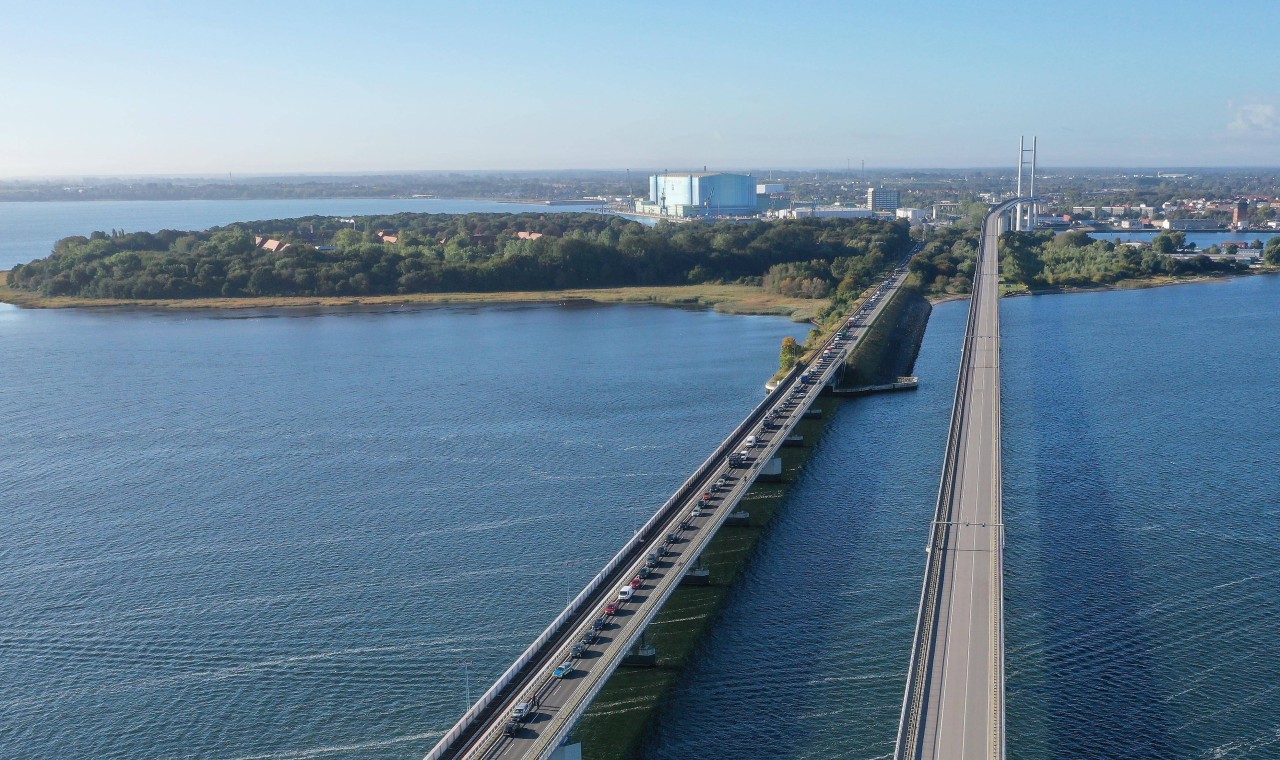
(301, 535)
(1141, 441)
(231, 535)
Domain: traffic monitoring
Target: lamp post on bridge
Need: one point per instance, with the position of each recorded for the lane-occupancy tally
(466, 680)
(566, 565)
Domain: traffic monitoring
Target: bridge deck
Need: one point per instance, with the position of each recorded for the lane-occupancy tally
(561, 701)
(954, 705)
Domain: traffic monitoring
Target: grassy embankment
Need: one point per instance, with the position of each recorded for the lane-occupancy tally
(624, 714)
(730, 299)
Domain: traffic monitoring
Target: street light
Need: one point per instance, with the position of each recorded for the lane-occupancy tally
(566, 565)
(466, 679)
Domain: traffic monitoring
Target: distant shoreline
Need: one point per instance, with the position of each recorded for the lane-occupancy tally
(727, 299)
(1159, 282)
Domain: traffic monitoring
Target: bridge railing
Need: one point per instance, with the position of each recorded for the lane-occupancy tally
(926, 613)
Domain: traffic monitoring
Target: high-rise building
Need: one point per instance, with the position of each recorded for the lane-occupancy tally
(883, 199)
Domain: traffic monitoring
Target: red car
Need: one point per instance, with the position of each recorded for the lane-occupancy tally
(611, 608)
(636, 582)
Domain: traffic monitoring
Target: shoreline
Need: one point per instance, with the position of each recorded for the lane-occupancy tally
(726, 299)
(1161, 282)
(744, 300)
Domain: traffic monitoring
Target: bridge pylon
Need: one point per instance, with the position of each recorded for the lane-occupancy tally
(1025, 215)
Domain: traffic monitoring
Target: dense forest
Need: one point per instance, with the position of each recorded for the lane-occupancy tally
(417, 253)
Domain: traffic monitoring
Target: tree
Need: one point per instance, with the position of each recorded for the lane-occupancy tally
(1021, 260)
(790, 353)
(1272, 254)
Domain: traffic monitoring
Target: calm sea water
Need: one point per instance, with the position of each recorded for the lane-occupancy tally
(1141, 432)
(29, 230)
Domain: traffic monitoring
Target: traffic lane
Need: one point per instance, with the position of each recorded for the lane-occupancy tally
(559, 697)
(962, 675)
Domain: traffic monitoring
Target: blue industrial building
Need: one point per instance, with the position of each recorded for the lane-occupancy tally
(686, 194)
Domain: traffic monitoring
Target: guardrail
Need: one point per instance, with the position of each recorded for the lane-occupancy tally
(926, 614)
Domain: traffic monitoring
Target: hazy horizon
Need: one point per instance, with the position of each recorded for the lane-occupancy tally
(134, 90)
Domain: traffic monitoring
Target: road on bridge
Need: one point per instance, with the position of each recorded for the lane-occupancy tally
(954, 703)
(604, 638)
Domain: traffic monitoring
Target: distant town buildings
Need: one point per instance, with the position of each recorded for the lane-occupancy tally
(691, 194)
(883, 199)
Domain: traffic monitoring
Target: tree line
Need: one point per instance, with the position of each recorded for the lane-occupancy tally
(327, 256)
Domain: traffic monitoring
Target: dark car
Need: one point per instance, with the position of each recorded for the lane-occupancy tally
(512, 728)
(579, 650)
(598, 623)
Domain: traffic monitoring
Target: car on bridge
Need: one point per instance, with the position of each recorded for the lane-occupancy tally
(578, 650)
(590, 637)
(522, 711)
(625, 593)
(599, 623)
(563, 669)
(511, 728)
(697, 512)
(611, 608)
(644, 572)
(637, 582)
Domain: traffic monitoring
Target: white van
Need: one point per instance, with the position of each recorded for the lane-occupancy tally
(625, 593)
(751, 441)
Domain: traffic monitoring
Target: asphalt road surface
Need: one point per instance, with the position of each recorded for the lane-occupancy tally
(560, 701)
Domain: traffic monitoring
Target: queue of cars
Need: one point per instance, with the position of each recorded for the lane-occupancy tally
(524, 711)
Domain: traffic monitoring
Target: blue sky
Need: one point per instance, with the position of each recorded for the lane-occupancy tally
(253, 87)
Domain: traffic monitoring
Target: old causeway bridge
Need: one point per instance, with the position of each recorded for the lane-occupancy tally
(954, 701)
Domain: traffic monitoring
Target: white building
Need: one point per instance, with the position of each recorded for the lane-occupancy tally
(913, 215)
(826, 212)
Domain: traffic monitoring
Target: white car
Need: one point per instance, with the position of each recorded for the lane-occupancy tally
(625, 593)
